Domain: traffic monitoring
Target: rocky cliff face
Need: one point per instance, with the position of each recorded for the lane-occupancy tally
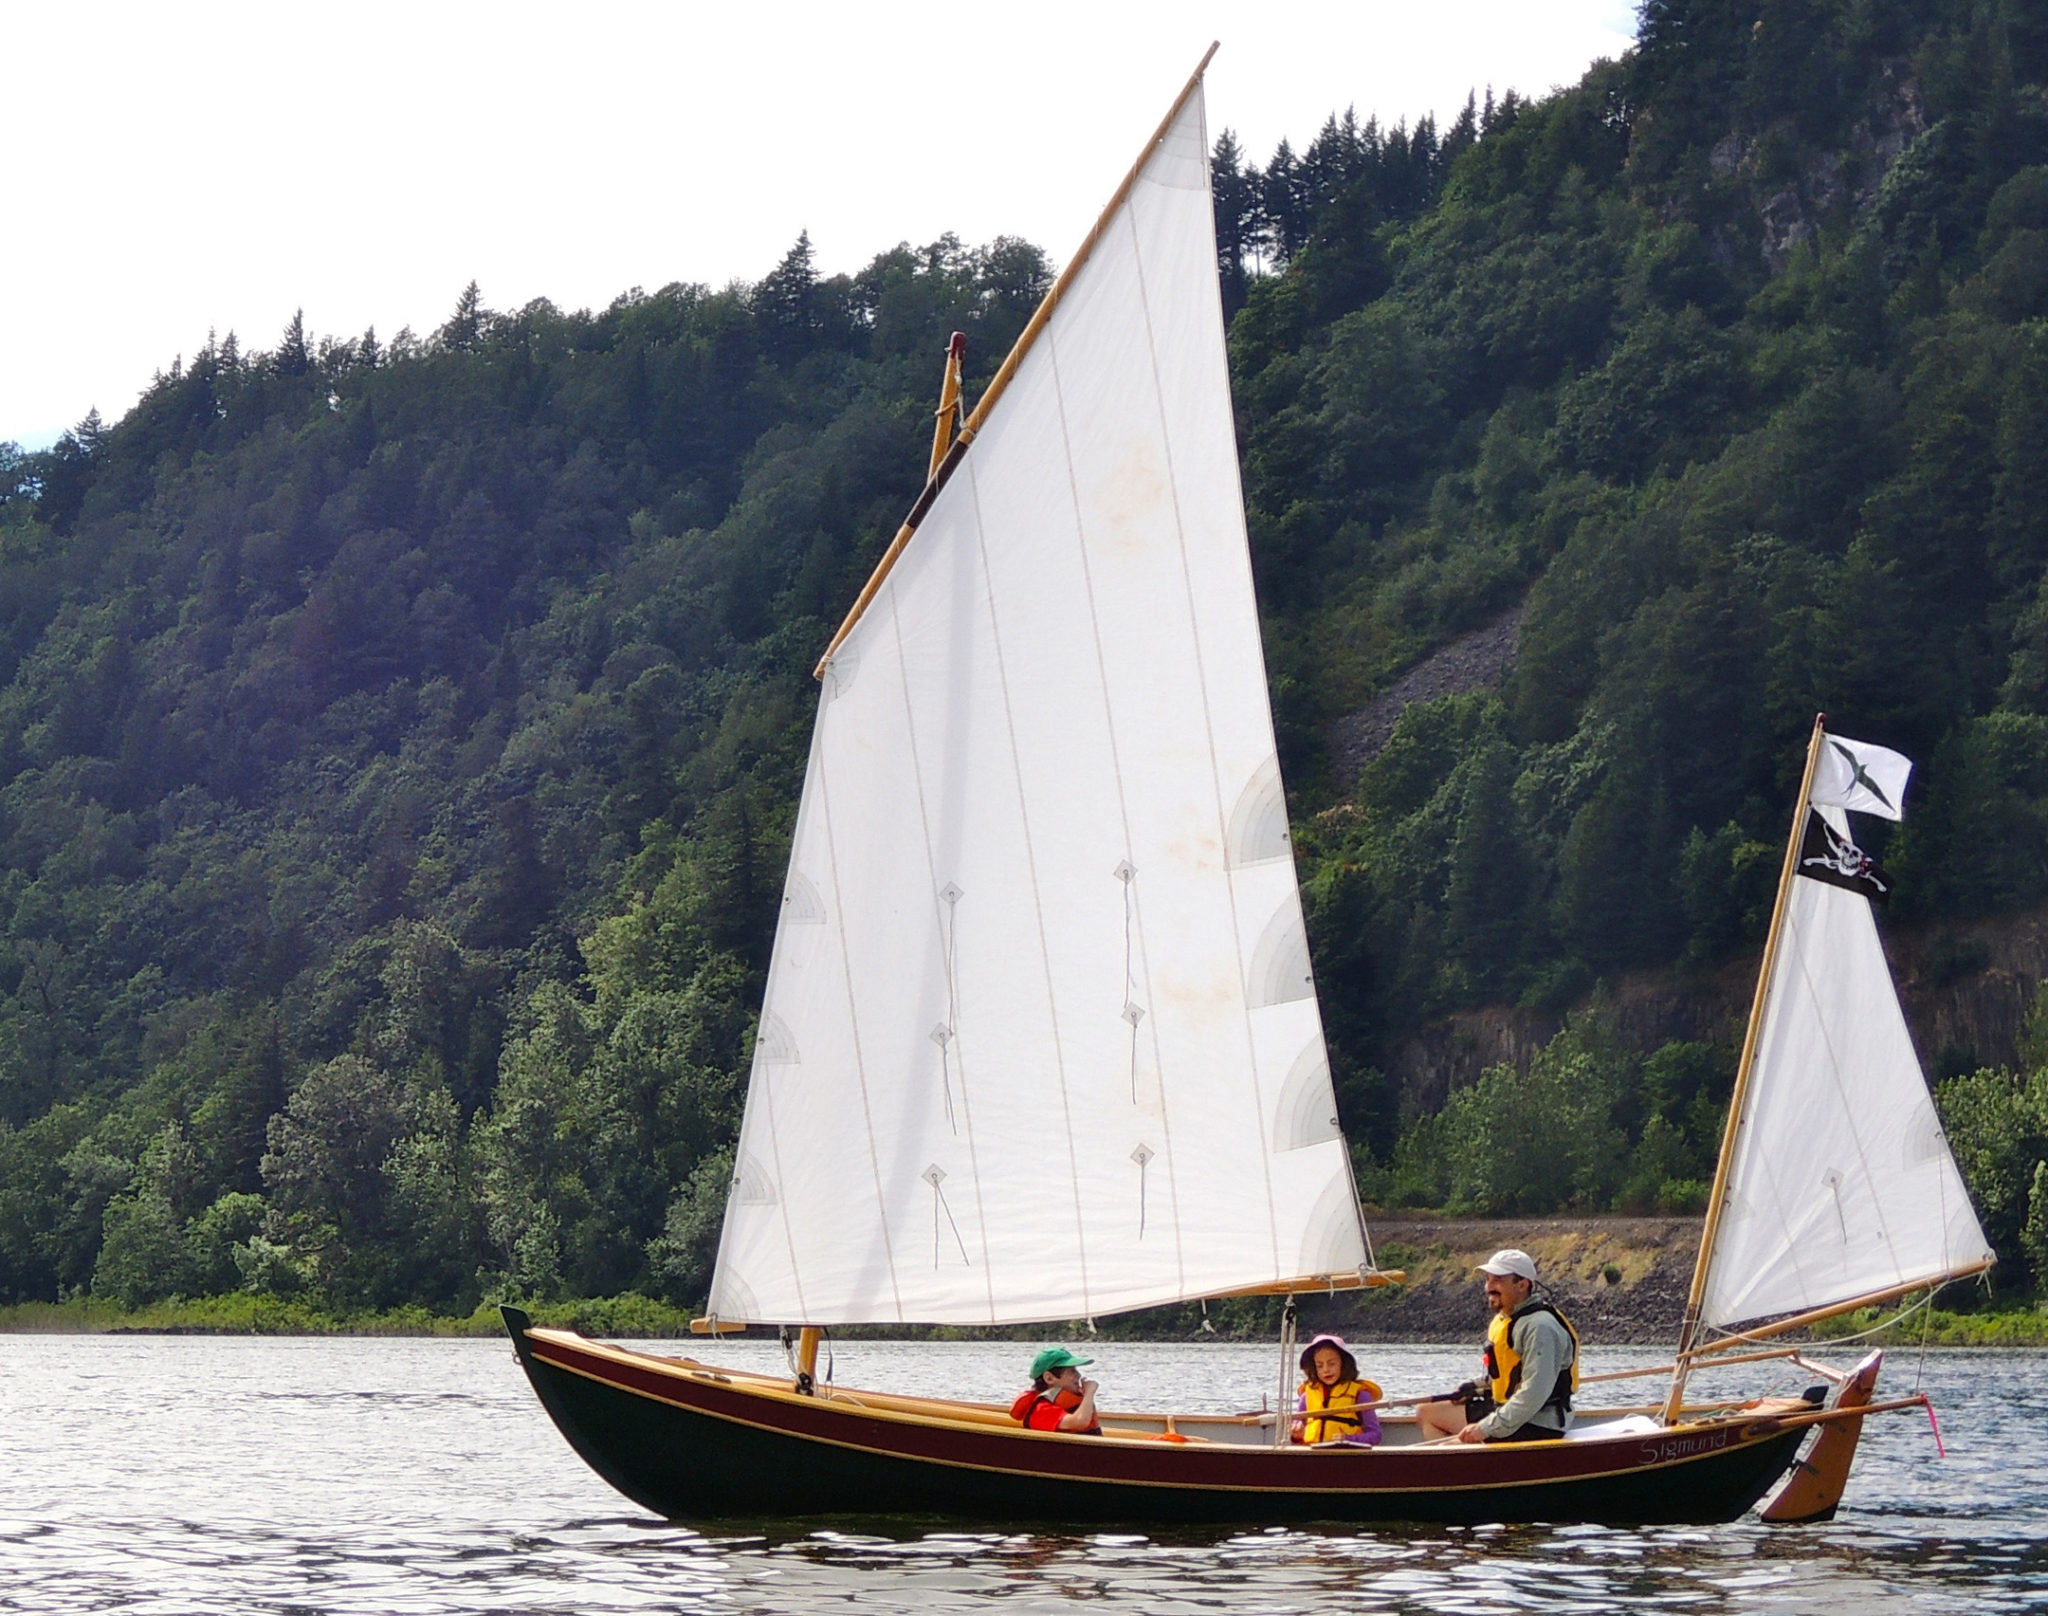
(1966, 987)
(1795, 192)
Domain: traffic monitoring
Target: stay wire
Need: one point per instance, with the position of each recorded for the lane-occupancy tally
(952, 1011)
(1129, 875)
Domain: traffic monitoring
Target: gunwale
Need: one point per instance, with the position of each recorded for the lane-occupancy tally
(723, 1433)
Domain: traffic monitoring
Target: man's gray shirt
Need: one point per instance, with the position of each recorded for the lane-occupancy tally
(1545, 1348)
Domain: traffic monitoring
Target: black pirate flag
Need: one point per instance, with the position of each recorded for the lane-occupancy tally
(1827, 854)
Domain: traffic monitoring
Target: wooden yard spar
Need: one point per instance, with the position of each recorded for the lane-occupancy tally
(944, 460)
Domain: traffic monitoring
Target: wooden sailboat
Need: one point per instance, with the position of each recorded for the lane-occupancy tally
(1040, 1039)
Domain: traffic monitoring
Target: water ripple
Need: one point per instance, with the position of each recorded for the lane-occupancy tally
(328, 1478)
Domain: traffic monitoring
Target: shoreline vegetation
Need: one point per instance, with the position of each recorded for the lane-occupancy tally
(244, 1313)
(1610, 1274)
(638, 1318)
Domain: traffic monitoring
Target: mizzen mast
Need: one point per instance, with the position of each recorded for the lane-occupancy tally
(1688, 1330)
(1836, 1188)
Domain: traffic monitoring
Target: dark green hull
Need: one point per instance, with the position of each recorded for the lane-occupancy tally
(692, 1444)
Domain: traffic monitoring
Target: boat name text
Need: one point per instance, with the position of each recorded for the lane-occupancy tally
(1682, 1447)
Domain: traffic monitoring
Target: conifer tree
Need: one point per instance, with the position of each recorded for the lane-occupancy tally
(1283, 205)
(786, 303)
(465, 327)
(1236, 218)
(292, 357)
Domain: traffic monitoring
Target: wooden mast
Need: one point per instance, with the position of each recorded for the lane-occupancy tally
(949, 404)
(807, 1356)
(1688, 1331)
(945, 464)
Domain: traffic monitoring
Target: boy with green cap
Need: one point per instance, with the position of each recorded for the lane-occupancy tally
(1059, 1399)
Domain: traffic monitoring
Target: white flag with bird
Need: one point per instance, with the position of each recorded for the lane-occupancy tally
(1855, 774)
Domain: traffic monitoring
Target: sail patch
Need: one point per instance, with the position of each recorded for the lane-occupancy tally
(1143, 1157)
(843, 669)
(1332, 1242)
(942, 1249)
(751, 1185)
(1257, 832)
(774, 1043)
(733, 1298)
(1307, 1112)
(1280, 971)
(1924, 1140)
(801, 905)
(1180, 161)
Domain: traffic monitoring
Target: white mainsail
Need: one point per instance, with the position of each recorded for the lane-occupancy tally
(1040, 1037)
(1841, 1186)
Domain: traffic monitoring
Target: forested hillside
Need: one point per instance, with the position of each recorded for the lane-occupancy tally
(399, 739)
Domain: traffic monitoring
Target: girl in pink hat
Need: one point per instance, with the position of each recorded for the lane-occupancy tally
(1329, 1408)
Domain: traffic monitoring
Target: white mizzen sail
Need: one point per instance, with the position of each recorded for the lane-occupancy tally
(1842, 1185)
(1040, 1037)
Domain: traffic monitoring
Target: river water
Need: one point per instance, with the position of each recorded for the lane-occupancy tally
(195, 1475)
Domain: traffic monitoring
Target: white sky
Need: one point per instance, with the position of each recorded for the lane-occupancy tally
(187, 164)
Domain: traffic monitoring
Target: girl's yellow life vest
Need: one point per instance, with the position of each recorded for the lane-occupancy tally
(1317, 1427)
(1504, 1364)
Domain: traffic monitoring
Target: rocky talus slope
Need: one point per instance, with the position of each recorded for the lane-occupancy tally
(1622, 1280)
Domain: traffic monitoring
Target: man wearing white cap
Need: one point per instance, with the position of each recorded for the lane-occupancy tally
(1532, 1365)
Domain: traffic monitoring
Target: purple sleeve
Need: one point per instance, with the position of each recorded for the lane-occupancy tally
(1369, 1427)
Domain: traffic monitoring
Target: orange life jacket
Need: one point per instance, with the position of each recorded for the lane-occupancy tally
(1064, 1401)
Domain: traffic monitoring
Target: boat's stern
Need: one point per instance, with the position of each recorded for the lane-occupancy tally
(1814, 1491)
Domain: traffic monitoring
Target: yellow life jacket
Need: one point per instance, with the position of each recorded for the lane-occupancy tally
(1315, 1396)
(1504, 1364)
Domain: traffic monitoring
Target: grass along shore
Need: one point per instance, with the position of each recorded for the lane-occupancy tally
(1938, 1327)
(241, 1313)
(638, 1317)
